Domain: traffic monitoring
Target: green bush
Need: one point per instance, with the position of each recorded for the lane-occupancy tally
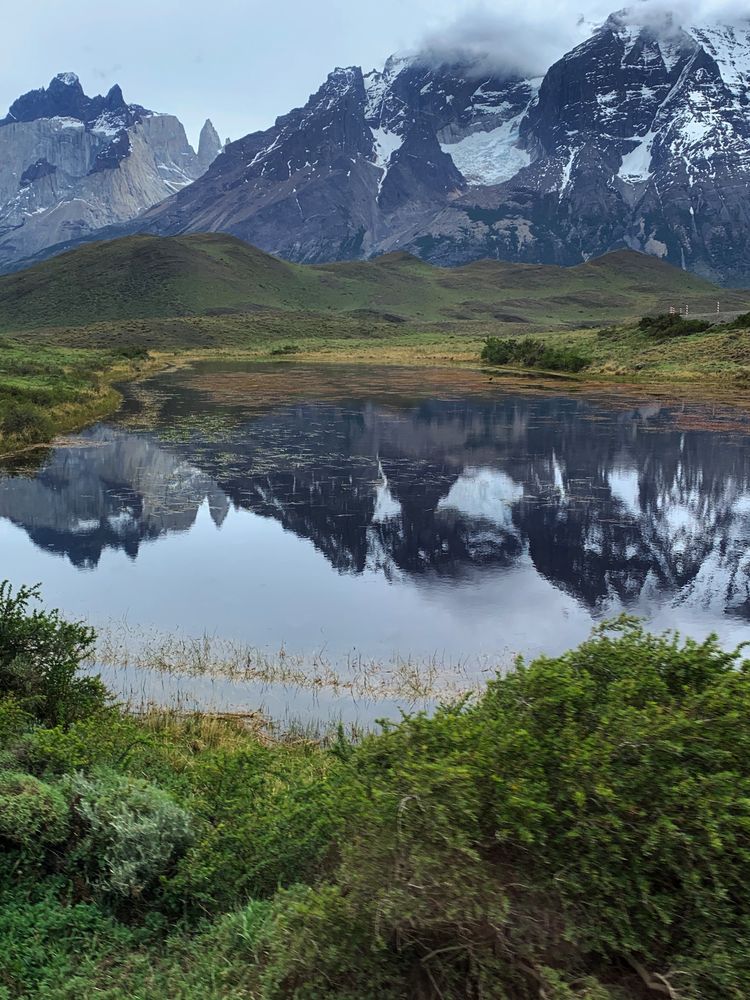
(31, 812)
(284, 350)
(741, 323)
(27, 422)
(672, 325)
(592, 811)
(532, 353)
(267, 817)
(316, 943)
(106, 739)
(40, 656)
(132, 834)
(53, 949)
(581, 831)
(14, 722)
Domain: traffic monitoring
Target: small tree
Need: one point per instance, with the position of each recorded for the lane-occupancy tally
(40, 658)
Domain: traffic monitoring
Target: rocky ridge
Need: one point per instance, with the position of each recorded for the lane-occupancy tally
(638, 137)
(71, 164)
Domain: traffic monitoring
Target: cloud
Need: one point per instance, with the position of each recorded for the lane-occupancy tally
(676, 13)
(507, 38)
(517, 40)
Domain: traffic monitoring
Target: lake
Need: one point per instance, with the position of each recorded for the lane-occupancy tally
(318, 539)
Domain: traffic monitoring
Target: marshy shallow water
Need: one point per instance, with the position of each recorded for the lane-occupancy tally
(337, 541)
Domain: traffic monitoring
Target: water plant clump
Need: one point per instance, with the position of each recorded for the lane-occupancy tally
(577, 831)
(128, 653)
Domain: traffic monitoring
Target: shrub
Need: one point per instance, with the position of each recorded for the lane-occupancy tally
(532, 353)
(268, 816)
(26, 421)
(317, 943)
(580, 831)
(285, 350)
(741, 323)
(592, 811)
(40, 656)
(133, 352)
(51, 948)
(14, 722)
(672, 325)
(132, 832)
(106, 739)
(32, 813)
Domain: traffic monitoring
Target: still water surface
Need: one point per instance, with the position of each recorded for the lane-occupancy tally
(381, 511)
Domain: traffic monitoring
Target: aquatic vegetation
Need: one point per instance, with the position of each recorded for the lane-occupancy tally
(123, 651)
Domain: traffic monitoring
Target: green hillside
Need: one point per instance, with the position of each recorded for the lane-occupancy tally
(144, 277)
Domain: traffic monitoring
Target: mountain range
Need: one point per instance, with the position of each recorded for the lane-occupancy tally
(637, 138)
(71, 164)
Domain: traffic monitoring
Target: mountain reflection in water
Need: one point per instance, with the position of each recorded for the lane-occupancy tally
(636, 510)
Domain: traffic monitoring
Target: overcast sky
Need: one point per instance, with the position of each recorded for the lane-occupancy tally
(243, 62)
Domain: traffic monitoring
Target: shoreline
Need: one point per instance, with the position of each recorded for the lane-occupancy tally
(691, 387)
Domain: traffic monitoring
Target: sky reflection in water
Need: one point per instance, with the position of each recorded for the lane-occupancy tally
(362, 510)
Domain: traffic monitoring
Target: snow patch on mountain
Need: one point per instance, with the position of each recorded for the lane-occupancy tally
(378, 84)
(385, 144)
(636, 165)
(489, 157)
(61, 122)
(69, 79)
(730, 49)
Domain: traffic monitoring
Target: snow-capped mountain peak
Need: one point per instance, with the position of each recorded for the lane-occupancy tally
(67, 79)
(637, 137)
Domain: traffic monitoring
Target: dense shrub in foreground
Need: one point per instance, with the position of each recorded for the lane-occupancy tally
(131, 832)
(587, 822)
(580, 832)
(532, 353)
(32, 813)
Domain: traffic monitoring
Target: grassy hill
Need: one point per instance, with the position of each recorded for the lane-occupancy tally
(147, 277)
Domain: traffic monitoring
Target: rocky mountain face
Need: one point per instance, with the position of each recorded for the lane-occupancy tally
(71, 164)
(639, 137)
(366, 158)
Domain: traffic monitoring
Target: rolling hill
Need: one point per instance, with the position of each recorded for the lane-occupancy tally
(147, 277)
